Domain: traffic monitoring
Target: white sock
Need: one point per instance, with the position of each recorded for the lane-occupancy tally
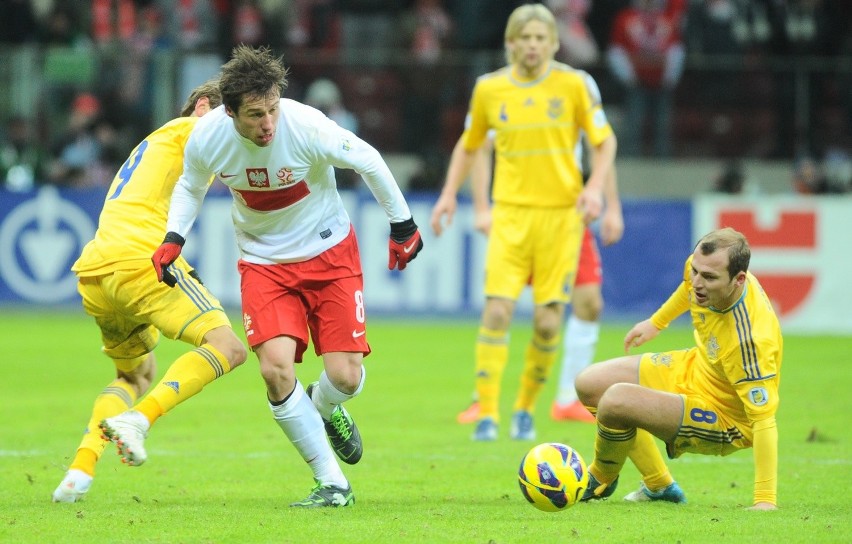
(301, 422)
(326, 397)
(578, 350)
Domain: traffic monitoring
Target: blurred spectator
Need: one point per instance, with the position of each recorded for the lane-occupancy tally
(324, 95)
(731, 180)
(85, 152)
(113, 21)
(578, 47)
(481, 23)
(837, 167)
(646, 56)
(135, 75)
(190, 24)
(18, 24)
(309, 23)
(714, 27)
(62, 27)
(246, 23)
(808, 178)
(367, 25)
(23, 161)
(427, 28)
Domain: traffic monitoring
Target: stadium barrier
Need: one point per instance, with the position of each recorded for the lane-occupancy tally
(800, 253)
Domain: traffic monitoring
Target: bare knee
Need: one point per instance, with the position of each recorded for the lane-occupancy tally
(547, 321)
(344, 371)
(587, 303)
(595, 380)
(616, 406)
(235, 351)
(141, 377)
(497, 314)
(589, 388)
(227, 343)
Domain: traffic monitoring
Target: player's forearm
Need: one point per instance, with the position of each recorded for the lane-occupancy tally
(610, 191)
(765, 461)
(480, 177)
(602, 164)
(677, 304)
(378, 177)
(461, 162)
(184, 207)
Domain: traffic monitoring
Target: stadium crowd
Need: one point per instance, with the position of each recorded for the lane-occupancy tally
(649, 56)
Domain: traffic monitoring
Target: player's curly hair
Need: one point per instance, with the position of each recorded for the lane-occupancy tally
(209, 89)
(252, 72)
(739, 253)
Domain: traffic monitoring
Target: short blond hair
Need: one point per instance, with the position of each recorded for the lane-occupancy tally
(523, 15)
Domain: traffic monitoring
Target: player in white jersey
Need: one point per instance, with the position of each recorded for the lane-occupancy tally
(300, 267)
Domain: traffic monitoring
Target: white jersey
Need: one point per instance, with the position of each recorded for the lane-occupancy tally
(286, 206)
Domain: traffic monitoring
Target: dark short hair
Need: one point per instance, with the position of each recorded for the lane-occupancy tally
(739, 253)
(252, 72)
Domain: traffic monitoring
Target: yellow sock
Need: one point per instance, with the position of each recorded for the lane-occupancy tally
(492, 354)
(611, 449)
(646, 456)
(185, 378)
(539, 361)
(117, 397)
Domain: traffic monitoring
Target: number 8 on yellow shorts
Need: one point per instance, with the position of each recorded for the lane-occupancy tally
(705, 427)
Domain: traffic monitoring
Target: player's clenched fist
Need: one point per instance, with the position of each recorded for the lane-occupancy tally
(405, 243)
(166, 254)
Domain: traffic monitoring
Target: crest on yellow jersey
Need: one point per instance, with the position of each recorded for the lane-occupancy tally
(758, 396)
(555, 107)
(713, 347)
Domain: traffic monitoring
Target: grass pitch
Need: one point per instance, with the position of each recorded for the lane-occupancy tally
(221, 471)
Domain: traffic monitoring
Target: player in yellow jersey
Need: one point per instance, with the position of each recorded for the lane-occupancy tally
(537, 109)
(715, 398)
(132, 308)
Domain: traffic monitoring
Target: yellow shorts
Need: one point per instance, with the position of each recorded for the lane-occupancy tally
(131, 308)
(705, 427)
(537, 246)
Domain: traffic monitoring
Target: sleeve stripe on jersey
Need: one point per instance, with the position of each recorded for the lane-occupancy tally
(747, 349)
(191, 289)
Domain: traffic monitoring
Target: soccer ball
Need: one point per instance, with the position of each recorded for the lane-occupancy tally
(553, 476)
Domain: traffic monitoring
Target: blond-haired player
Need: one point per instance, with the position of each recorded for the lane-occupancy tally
(537, 109)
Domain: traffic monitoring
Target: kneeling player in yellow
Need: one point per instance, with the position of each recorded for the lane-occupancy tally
(715, 398)
(132, 307)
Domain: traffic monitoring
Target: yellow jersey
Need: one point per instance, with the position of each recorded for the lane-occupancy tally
(537, 125)
(133, 219)
(740, 349)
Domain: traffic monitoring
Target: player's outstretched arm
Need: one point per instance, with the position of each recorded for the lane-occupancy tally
(639, 334)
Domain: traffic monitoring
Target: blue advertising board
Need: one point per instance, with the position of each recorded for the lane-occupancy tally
(42, 232)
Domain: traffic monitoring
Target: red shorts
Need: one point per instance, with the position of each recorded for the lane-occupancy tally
(324, 294)
(589, 267)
